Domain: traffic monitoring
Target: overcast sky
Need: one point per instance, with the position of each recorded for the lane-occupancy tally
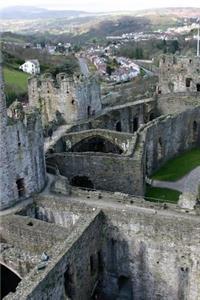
(102, 5)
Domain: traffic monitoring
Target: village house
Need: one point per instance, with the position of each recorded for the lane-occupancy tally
(31, 66)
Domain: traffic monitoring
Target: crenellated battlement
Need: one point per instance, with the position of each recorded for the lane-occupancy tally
(74, 97)
(179, 74)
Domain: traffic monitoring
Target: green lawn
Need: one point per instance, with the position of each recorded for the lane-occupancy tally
(16, 78)
(161, 195)
(16, 84)
(179, 166)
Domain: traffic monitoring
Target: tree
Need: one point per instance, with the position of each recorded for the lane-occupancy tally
(174, 46)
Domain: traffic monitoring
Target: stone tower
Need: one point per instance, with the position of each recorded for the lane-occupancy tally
(65, 99)
(22, 164)
(179, 74)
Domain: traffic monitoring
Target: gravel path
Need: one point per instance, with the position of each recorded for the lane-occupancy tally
(188, 184)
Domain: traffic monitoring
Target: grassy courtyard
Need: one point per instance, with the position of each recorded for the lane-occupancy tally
(155, 194)
(178, 167)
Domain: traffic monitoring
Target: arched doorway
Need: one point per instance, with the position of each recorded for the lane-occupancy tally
(160, 148)
(118, 126)
(89, 111)
(82, 181)
(96, 144)
(9, 281)
(151, 116)
(135, 124)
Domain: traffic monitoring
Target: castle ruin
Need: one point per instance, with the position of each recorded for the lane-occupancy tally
(22, 164)
(90, 234)
(65, 99)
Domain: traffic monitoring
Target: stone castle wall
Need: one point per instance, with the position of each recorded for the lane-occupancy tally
(22, 165)
(65, 100)
(127, 117)
(153, 144)
(70, 273)
(179, 74)
(176, 103)
(24, 161)
(156, 255)
(137, 254)
(109, 172)
(169, 136)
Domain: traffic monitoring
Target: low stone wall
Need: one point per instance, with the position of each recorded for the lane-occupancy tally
(110, 172)
(176, 103)
(32, 235)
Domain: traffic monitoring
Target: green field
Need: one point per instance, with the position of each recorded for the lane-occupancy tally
(16, 84)
(16, 78)
(178, 167)
(155, 194)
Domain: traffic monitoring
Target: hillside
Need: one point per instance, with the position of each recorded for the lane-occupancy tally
(76, 29)
(32, 13)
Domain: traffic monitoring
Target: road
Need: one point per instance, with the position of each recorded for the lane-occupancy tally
(83, 66)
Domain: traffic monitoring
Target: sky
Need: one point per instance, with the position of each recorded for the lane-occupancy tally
(101, 5)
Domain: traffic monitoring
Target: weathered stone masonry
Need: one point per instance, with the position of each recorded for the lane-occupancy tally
(65, 99)
(22, 165)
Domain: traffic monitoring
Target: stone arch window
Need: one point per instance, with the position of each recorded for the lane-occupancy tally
(69, 283)
(171, 86)
(135, 124)
(89, 110)
(9, 281)
(122, 282)
(118, 126)
(20, 187)
(92, 265)
(159, 148)
(194, 131)
(188, 82)
(73, 101)
(159, 91)
(151, 116)
(18, 139)
(198, 87)
(190, 61)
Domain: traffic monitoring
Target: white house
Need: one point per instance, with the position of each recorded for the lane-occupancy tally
(31, 66)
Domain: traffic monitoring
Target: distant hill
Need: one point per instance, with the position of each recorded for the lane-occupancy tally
(30, 13)
(80, 26)
(181, 12)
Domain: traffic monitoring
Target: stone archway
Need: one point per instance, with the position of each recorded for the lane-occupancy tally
(82, 181)
(118, 126)
(9, 280)
(96, 144)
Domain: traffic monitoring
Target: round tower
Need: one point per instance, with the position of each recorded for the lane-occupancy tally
(6, 190)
